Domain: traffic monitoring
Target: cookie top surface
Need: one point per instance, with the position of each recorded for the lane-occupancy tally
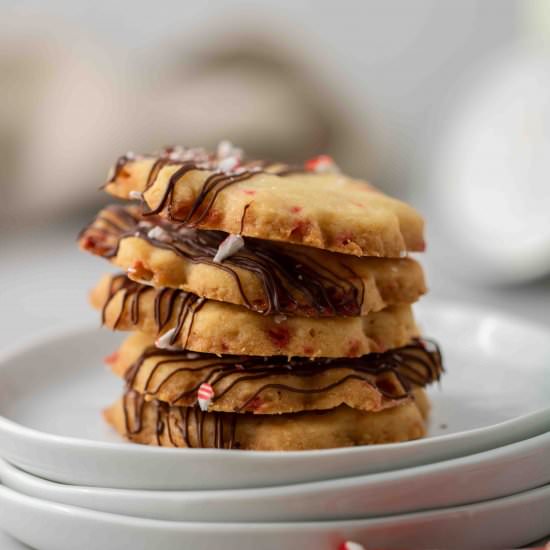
(262, 276)
(273, 385)
(156, 423)
(313, 205)
(182, 320)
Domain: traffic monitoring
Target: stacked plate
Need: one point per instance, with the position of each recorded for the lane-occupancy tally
(481, 478)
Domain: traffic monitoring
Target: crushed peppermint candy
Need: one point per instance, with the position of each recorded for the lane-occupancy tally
(165, 341)
(173, 153)
(227, 149)
(350, 545)
(228, 164)
(205, 394)
(159, 234)
(135, 195)
(229, 246)
(321, 163)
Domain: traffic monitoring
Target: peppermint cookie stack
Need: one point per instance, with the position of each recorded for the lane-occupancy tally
(269, 305)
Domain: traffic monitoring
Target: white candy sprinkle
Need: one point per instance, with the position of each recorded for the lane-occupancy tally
(135, 195)
(228, 164)
(323, 167)
(174, 153)
(325, 164)
(159, 234)
(224, 148)
(350, 545)
(227, 149)
(229, 246)
(280, 318)
(163, 342)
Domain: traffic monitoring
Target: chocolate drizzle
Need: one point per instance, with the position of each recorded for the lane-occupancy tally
(204, 201)
(187, 160)
(168, 303)
(292, 282)
(191, 423)
(417, 364)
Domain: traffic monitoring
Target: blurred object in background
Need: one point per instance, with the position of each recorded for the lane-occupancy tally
(492, 185)
(84, 82)
(381, 85)
(63, 110)
(67, 112)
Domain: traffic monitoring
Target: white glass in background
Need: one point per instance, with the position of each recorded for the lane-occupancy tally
(490, 196)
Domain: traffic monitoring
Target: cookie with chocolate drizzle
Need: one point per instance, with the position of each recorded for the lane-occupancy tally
(157, 423)
(182, 320)
(269, 278)
(313, 205)
(275, 385)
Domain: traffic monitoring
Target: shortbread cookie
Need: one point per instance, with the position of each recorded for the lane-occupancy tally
(156, 423)
(313, 205)
(265, 277)
(273, 385)
(186, 321)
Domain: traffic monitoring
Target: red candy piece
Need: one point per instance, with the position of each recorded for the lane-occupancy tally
(300, 229)
(319, 163)
(280, 336)
(205, 391)
(353, 349)
(254, 404)
(111, 359)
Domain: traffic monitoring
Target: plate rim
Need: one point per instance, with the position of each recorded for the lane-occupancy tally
(503, 452)
(79, 512)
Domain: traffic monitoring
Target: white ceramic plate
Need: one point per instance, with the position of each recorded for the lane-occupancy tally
(492, 474)
(496, 392)
(9, 543)
(503, 523)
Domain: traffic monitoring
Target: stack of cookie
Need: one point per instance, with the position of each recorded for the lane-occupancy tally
(270, 305)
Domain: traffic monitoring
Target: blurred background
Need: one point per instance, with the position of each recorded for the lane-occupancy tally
(442, 103)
